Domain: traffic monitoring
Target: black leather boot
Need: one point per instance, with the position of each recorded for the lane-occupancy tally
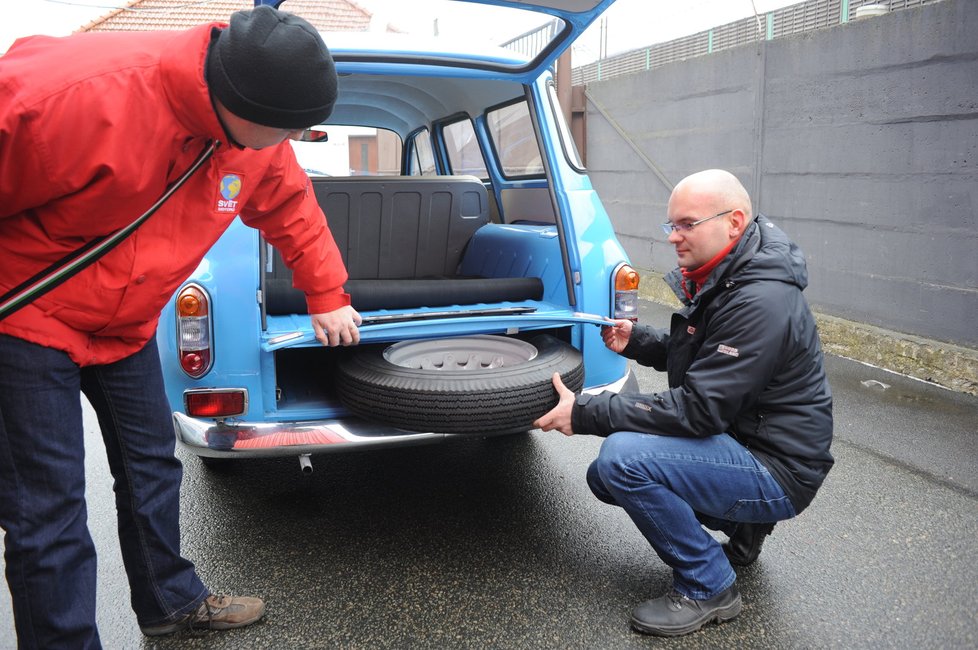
(675, 614)
(745, 545)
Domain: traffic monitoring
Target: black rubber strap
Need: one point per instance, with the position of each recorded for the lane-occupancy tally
(60, 271)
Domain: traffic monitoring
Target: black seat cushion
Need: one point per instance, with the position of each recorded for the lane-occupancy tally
(373, 294)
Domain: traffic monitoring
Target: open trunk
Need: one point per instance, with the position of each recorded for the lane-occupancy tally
(422, 254)
(424, 259)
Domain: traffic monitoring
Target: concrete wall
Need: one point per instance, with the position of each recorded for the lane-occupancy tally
(861, 141)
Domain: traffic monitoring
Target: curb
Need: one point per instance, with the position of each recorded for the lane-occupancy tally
(951, 366)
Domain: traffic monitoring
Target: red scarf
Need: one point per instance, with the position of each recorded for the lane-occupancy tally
(700, 275)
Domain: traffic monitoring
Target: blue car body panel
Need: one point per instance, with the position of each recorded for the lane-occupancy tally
(575, 255)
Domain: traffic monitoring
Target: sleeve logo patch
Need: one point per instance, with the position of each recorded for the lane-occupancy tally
(690, 330)
(726, 349)
(229, 189)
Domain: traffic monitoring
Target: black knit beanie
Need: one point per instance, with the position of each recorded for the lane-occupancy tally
(272, 68)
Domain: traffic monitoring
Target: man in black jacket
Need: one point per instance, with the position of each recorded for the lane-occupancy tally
(741, 438)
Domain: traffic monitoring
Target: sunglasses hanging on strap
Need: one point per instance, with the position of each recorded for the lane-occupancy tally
(75, 261)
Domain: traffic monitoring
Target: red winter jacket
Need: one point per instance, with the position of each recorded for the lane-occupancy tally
(93, 127)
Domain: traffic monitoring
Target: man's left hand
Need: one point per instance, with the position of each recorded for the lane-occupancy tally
(559, 417)
(337, 327)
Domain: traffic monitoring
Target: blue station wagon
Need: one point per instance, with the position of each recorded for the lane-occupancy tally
(479, 255)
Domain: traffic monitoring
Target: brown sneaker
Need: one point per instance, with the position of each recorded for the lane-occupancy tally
(215, 613)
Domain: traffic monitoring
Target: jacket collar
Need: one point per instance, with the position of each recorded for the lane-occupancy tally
(184, 85)
(742, 253)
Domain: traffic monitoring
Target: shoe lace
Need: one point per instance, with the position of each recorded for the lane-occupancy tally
(198, 623)
(678, 600)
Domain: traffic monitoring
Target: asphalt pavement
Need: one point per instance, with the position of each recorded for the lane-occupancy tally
(497, 543)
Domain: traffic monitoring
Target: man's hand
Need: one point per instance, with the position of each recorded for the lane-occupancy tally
(337, 327)
(559, 417)
(616, 336)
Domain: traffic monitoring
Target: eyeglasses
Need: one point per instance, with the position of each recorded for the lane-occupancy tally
(670, 227)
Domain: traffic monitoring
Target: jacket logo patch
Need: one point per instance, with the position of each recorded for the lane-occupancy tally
(726, 349)
(644, 407)
(229, 189)
(690, 330)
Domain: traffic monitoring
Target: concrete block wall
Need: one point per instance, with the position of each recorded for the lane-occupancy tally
(860, 140)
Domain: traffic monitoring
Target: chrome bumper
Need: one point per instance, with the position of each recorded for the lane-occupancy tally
(271, 439)
(240, 439)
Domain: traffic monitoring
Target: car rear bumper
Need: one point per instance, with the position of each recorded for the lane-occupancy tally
(270, 439)
(281, 439)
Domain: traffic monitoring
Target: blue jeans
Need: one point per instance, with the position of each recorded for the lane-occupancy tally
(50, 557)
(669, 486)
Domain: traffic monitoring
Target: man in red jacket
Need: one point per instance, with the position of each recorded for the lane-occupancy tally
(93, 129)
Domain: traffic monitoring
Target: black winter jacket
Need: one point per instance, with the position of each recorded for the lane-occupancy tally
(742, 357)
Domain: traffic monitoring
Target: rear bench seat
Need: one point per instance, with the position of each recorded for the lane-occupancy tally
(402, 239)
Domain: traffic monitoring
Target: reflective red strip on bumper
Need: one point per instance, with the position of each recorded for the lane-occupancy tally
(290, 438)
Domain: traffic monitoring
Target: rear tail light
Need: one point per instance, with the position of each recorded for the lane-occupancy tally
(194, 331)
(626, 293)
(216, 402)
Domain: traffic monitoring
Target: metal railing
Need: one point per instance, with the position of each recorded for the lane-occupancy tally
(532, 42)
(801, 17)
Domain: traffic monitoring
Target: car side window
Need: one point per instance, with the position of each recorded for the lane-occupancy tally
(462, 147)
(422, 159)
(566, 138)
(514, 140)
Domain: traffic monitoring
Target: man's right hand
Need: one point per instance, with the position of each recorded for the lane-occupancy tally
(616, 336)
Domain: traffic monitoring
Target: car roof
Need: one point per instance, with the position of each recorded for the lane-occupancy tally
(404, 103)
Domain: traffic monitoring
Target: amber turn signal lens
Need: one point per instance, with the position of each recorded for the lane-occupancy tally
(191, 302)
(626, 279)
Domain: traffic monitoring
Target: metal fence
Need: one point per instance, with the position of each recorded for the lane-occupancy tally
(532, 42)
(801, 17)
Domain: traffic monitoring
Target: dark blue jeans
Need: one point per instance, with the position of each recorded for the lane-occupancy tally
(669, 486)
(49, 553)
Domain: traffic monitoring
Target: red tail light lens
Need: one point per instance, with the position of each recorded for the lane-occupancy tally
(626, 293)
(195, 363)
(194, 329)
(216, 403)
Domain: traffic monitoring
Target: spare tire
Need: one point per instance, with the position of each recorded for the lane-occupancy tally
(472, 384)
